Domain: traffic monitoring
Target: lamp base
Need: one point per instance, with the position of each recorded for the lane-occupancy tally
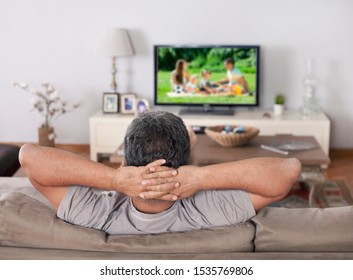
(113, 85)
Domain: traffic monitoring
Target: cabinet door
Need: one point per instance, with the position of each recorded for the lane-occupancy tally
(108, 136)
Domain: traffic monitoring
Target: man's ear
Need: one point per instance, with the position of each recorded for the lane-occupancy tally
(123, 163)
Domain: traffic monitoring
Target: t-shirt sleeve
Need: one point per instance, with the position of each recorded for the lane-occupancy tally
(221, 207)
(86, 207)
(237, 72)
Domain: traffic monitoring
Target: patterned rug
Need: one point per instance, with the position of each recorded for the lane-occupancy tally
(322, 194)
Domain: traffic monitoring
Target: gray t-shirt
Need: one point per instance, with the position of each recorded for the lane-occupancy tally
(114, 213)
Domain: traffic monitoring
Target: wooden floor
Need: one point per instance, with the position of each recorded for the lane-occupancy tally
(341, 167)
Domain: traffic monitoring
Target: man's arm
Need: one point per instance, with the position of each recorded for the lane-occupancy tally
(51, 171)
(266, 179)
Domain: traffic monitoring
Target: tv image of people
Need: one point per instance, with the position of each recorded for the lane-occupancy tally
(207, 75)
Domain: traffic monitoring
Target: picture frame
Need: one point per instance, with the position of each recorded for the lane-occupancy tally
(142, 105)
(110, 103)
(128, 103)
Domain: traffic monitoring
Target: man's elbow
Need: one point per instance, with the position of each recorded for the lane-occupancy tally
(295, 169)
(24, 154)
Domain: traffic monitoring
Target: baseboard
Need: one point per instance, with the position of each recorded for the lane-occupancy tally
(341, 152)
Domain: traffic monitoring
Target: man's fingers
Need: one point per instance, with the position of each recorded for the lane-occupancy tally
(158, 195)
(156, 163)
(162, 174)
(169, 197)
(160, 184)
(165, 187)
(154, 169)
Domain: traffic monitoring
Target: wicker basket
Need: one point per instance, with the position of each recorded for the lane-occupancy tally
(231, 139)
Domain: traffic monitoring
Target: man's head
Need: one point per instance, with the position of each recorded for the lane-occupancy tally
(157, 135)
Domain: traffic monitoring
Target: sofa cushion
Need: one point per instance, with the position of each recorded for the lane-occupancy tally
(304, 230)
(26, 222)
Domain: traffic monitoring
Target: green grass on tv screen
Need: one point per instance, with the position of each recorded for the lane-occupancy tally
(164, 87)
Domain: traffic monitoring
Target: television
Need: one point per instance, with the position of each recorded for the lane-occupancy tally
(207, 76)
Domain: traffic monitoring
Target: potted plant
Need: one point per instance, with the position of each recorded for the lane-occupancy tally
(51, 106)
(279, 105)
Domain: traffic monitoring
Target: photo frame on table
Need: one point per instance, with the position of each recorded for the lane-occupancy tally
(142, 105)
(110, 103)
(128, 103)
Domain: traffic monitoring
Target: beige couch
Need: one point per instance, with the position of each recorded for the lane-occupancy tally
(29, 229)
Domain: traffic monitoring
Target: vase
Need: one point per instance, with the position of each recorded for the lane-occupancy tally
(310, 104)
(278, 109)
(46, 136)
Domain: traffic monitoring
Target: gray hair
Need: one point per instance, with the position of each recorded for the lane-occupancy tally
(157, 135)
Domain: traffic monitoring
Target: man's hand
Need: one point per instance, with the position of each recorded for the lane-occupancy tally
(186, 178)
(153, 181)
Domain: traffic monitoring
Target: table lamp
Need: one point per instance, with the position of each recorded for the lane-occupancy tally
(115, 42)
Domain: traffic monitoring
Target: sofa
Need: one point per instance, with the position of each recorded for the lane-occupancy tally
(29, 229)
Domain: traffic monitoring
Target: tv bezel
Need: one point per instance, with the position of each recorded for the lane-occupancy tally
(155, 51)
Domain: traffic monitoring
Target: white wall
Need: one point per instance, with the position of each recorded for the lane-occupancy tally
(42, 40)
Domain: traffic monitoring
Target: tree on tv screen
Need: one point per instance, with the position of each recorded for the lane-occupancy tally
(207, 58)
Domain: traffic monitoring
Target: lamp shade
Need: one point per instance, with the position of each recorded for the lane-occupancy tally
(115, 42)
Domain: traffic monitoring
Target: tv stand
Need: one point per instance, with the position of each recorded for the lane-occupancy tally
(107, 131)
(207, 110)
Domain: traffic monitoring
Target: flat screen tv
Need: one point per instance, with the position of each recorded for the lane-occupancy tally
(207, 75)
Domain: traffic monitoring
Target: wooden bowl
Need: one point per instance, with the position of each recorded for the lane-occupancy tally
(231, 139)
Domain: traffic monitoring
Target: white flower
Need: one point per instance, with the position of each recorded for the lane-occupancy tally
(51, 89)
(34, 101)
(23, 85)
(33, 90)
(51, 136)
(54, 95)
(47, 102)
(39, 106)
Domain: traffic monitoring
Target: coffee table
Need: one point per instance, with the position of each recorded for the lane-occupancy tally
(208, 152)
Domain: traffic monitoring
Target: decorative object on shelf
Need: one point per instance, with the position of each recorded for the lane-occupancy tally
(310, 104)
(115, 42)
(51, 106)
(46, 136)
(266, 115)
(279, 105)
(233, 136)
(142, 105)
(110, 103)
(128, 103)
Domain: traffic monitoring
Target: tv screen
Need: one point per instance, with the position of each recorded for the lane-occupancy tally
(207, 75)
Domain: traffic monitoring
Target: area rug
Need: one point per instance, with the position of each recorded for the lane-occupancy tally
(323, 194)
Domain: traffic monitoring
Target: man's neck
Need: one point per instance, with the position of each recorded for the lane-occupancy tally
(151, 206)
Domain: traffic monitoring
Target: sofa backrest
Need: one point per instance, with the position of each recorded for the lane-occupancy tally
(27, 222)
(304, 230)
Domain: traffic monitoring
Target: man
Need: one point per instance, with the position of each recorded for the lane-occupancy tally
(143, 199)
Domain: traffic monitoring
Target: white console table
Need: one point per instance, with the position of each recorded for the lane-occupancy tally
(107, 131)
